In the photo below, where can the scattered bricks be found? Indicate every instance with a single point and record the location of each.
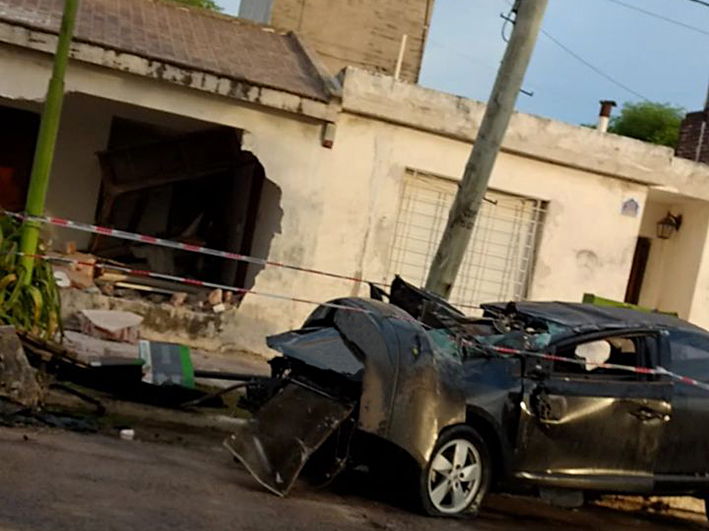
(219, 308)
(216, 297)
(108, 289)
(81, 274)
(229, 297)
(178, 299)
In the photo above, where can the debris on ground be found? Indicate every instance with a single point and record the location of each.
(18, 380)
(62, 279)
(166, 363)
(215, 297)
(178, 298)
(81, 272)
(111, 324)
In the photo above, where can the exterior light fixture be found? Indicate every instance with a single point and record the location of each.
(668, 225)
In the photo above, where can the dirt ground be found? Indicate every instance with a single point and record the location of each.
(56, 480)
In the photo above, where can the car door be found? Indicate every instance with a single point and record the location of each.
(587, 426)
(684, 462)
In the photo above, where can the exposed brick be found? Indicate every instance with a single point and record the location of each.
(364, 33)
(690, 135)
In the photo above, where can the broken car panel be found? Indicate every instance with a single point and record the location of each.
(418, 374)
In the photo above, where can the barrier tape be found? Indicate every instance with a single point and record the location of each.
(505, 351)
(658, 371)
(188, 281)
(171, 244)
(180, 246)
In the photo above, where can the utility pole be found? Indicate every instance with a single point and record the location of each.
(461, 219)
(46, 140)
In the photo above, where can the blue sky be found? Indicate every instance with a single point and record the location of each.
(656, 59)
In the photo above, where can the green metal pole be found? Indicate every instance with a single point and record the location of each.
(46, 140)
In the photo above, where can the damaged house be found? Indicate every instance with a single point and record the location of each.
(219, 132)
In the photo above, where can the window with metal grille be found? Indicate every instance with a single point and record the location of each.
(498, 262)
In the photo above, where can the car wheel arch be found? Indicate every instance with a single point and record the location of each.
(489, 430)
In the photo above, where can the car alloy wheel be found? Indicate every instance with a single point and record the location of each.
(455, 476)
(458, 474)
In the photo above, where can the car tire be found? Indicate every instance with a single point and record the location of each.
(457, 477)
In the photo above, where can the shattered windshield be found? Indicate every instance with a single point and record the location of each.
(457, 344)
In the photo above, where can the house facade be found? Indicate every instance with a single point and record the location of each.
(265, 154)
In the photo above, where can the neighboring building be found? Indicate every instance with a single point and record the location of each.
(693, 141)
(215, 130)
(363, 33)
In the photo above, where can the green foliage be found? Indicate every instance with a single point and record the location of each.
(657, 123)
(206, 4)
(33, 308)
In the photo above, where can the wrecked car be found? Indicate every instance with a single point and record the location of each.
(471, 408)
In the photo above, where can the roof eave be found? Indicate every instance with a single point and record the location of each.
(242, 90)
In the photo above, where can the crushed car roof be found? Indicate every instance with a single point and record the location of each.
(590, 316)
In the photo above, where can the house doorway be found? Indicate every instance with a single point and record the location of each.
(18, 136)
(637, 271)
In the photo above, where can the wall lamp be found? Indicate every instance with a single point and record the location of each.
(668, 225)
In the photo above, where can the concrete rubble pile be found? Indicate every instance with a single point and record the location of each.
(18, 380)
(82, 271)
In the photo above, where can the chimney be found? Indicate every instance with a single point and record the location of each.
(605, 115)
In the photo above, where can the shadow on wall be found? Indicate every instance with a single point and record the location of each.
(268, 224)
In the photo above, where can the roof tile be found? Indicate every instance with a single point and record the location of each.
(189, 37)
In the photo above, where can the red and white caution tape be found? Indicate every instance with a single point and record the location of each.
(504, 351)
(189, 281)
(659, 371)
(171, 244)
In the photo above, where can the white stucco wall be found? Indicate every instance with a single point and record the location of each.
(586, 245)
(676, 278)
(339, 206)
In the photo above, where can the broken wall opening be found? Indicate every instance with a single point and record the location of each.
(172, 176)
(198, 188)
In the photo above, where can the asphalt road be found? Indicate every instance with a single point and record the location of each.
(54, 480)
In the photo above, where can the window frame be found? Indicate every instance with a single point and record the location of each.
(649, 357)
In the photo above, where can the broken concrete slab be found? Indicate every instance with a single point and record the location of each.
(18, 380)
(111, 324)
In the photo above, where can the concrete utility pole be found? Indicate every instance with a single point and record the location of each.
(461, 220)
(46, 140)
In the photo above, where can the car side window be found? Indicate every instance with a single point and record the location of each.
(585, 358)
(690, 355)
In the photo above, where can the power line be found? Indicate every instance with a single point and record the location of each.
(700, 2)
(661, 17)
(593, 67)
(470, 58)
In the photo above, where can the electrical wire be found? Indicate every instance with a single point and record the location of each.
(593, 67)
(507, 20)
(700, 2)
(464, 55)
(660, 17)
